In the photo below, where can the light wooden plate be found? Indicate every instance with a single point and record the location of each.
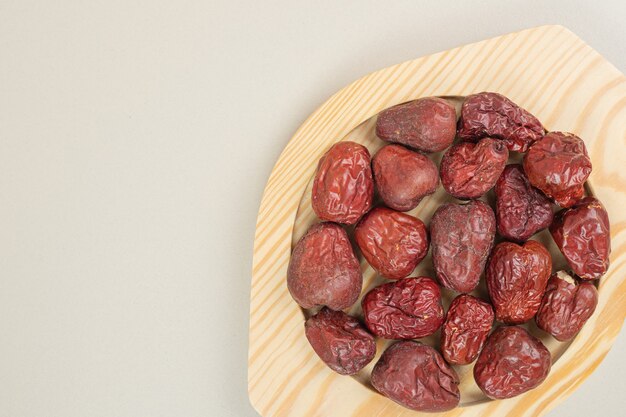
(547, 70)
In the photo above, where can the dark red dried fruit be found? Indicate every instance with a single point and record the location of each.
(521, 209)
(492, 114)
(584, 236)
(406, 309)
(465, 329)
(469, 170)
(403, 177)
(566, 306)
(427, 124)
(343, 187)
(559, 165)
(516, 279)
(340, 341)
(323, 269)
(416, 376)
(392, 242)
(462, 237)
(511, 363)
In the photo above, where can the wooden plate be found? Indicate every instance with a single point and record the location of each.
(547, 70)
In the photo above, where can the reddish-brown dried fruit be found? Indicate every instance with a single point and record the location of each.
(392, 242)
(323, 269)
(427, 124)
(403, 177)
(516, 278)
(343, 187)
(584, 236)
(416, 376)
(492, 114)
(521, 209)
(566, 306)
(462, 237)
(465, 329)
(340, 341)
(511, 363)
(559, 166)
(469, 170)
(406, 309)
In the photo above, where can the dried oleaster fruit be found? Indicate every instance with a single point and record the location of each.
(343, 187)
(584, 236)
(403, 177)
(323, 269)
(340, 341)
(559, 165)
(467, 325)
(512, 362)
(567, 304)
(392, 242)
(521, 209)
(416, 376)
(462, 237)
(406, 309)
(516, 279)
(493, 115)
(427, 124)
(469, 170)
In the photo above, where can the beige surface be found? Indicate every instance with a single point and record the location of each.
(136, 138)
(589, 99)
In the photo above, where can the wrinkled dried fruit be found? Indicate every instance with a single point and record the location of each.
(323, 269)
(416, 376)
(465, 329)
(406, 309)
(516, 279)
(521, 209)
(392, 242)
(566, 306)
(559, 166)
(511, 363)
(469, 170)
(403, 177)
(427, 124)
(462, 237)
(583, 234)
(340, 341)
(492, 114)
(343, 187)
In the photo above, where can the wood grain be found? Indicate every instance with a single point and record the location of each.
(547, 70)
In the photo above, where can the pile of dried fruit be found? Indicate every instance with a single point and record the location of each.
(325, 272)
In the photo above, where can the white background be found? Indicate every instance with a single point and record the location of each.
(135, 141)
